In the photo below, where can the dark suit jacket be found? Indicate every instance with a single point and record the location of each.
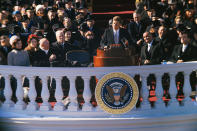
(32, 56)
(155, 55)
(135, 32)
(60, 52)
(190, 53)
(42, 59)
(167, 45)
(108, 37)
(70, 13)
(97, 32)
(90, 45)
(5, 51)
(3, 54)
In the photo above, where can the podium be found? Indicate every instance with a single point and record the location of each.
(115, 55)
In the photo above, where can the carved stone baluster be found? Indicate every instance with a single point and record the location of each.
(32, 95)
(7, 92)
(87, 94)
(58, 94)
(72, 94)
(45, 94)
(159, 92)
(19, 93)
(173, 91)
(187, 89)
(144, 92)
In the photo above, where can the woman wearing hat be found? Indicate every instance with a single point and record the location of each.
(39, 19)
(17, 57)
(17, 17)
(32, 47)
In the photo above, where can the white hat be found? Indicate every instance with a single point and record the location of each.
(172, 2)
(39, 7)
(13, 38)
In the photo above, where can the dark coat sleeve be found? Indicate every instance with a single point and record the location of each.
(104, 40)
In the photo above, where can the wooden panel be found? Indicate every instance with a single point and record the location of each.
(115, 56)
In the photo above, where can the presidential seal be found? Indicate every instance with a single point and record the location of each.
(116, 93)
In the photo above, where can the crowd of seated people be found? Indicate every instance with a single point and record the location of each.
(43, 31)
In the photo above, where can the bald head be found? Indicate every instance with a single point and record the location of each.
(147, 37)
(44, 44)
(60, 36)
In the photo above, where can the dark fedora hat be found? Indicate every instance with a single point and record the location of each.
(172, 2)
(67, 1)
(24, 18)
(90, 17)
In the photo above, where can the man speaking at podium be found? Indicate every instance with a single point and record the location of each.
(115, 35)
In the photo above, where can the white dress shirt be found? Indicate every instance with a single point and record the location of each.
(149, 45)
(184, 48)
(46, 51)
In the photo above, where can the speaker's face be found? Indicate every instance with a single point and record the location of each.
(116, 25)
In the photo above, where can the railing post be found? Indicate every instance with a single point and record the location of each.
(187, 89)
(87, 94)
(7, 92)
(19, 93)
(58, 94)
(144, 91)
(45, 94)
(72, 94)
(159, 91)
(32, 95)
(173, 90)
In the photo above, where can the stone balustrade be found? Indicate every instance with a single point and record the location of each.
(73, 110)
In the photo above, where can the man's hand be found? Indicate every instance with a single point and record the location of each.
(179, 61)
(146, 61)
(52, 57)
(165, 49)
(105, 48)
(139, 42)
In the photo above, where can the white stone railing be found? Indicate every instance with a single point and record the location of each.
(86, 73)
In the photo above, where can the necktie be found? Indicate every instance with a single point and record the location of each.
(5, 49)
(26, 30)
(116, 37)
(62, 45)
(138, 26)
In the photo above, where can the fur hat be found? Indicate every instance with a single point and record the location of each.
(13, 38)
(67, 1)
(39, 7)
